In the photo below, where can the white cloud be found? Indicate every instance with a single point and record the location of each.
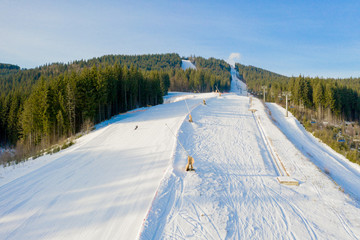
(234, 57)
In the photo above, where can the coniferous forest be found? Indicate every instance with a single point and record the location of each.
(40, 106)
(63, 105)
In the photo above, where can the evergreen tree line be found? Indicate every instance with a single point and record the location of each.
(331, 99)
(51, 101)
(216, 71)
(199, 80)
(60, 106)
(147, 62)
(8, 68)
(13, 78)
(210, 74)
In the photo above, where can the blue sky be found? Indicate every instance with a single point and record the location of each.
(312, 38)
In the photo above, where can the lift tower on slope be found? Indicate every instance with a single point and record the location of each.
(264, 88)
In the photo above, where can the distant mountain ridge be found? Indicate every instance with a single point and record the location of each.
(9, 66)
(8, 69)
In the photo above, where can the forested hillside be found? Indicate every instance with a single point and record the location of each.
(61, 106)
(23, 80)
(255, 77)
(209, 74)
(8, 68)
(160, 62)
(42, 105)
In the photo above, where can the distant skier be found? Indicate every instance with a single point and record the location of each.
(136, 127)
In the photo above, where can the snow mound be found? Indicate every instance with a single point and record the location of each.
(180, 96)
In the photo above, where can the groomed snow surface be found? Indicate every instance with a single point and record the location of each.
(122, 183)
(185, 64)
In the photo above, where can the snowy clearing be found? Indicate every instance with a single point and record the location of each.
(126, 179)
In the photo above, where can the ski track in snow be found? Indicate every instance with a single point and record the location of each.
(121, 183)
(234, 193)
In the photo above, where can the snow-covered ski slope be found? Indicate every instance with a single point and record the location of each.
(185, 64)
(234, 193)
(237, 86)
(121, 183)
(100, 188)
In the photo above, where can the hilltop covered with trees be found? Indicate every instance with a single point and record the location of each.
(42, 105)
(210, 74)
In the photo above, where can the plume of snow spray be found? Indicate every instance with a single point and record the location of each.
(234, 57)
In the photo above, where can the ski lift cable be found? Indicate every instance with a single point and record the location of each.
(187, 106)
(177, 139)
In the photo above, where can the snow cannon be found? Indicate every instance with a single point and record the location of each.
(218, 91)
(189, 165)
(190, 118)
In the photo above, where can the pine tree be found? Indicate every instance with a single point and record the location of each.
(60, 123)
(101, 93)
(164, 82)
(319, 97)
(70, 103)
(329, 99)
